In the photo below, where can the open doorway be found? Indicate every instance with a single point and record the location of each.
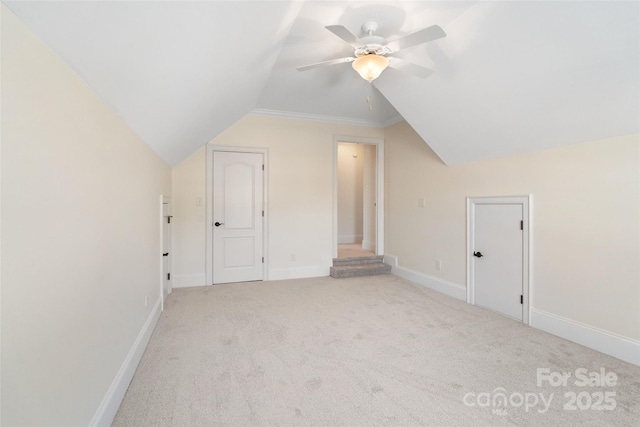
(356, 200)
(358, 208)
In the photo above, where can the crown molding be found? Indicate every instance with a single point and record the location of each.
(325, 119)
(393, 121)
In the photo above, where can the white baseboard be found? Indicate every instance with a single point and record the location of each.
(620, 347)
(391, 260)
(356, 238)
(189, 280)
(442, 286)
(113, 398)
(298, 272)
(368, 245)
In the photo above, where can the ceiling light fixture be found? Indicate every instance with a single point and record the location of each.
(370, 66)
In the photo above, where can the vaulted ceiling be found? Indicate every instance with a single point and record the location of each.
(510, 77)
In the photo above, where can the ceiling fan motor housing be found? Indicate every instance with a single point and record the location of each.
(372, 43)
(369, 27)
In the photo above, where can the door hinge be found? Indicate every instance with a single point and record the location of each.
(521, 225)
(263, 213)
(521, 299)
(262, 167)
(263, 260)
(168, 276)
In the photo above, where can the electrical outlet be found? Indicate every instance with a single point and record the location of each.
(198, 201)
(421, 202)
(293, 257)
(438, 265)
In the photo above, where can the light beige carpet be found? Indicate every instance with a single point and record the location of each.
(372, 351)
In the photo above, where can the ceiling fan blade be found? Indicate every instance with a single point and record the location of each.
(428, 34)
(345, 35)
(409, 67)
(325, 63)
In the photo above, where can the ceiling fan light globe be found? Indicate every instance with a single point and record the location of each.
(370, 66)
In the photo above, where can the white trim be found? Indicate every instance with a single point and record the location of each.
(298, 272)
(618, 346)
(393, 121)
(209, 207)
(325, 119)
(391, 260)
(448, 288)
(189, 280)
(368, 245)
(160, 254)
(165, 200)
(108, 408)
(525, 201)
(379, 144)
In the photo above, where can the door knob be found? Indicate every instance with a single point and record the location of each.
(478, 254)
(218, 224)
(167, 254)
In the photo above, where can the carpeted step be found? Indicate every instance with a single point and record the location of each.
(368, 269)
(360, 260)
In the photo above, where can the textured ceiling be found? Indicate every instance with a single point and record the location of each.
(510, 77)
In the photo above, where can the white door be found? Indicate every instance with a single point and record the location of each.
(498, 258)
(166, 246)
(237, 217)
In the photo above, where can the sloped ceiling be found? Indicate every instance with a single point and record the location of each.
(510, 77)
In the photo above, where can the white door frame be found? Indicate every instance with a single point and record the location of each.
(379, 144)
(163, 200)
(208, 250)
(526, 202)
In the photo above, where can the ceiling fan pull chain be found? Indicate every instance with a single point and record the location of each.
(369, 98)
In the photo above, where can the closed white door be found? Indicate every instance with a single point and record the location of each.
(166, 246)
(237, 217)
(498, 258)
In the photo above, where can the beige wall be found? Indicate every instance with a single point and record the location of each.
(300, 194)
(80, 237)
(350, 192)
(188, 223)
(585, 226)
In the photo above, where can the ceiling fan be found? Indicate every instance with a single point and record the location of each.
(372, 54)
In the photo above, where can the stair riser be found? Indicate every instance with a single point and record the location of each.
(358, 260)
(346, 261)
(358, 271)
(344, 275)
